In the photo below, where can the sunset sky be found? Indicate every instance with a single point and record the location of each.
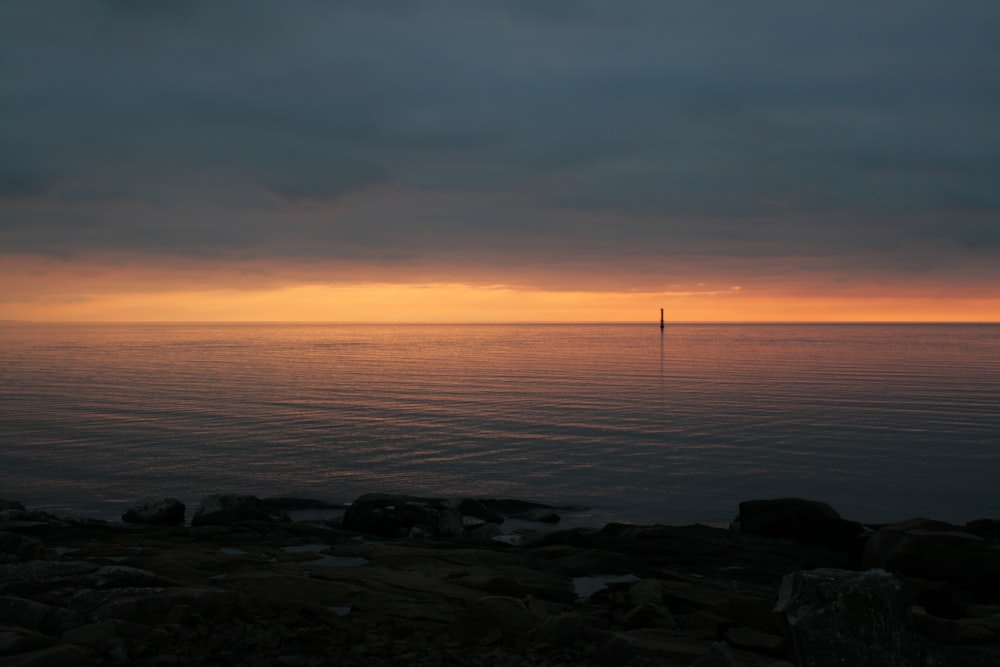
(448, 160)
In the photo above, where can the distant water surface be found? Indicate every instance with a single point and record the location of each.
(882, 421)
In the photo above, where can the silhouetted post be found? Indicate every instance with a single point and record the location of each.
(661, 319)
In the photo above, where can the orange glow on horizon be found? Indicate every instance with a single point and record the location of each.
(123, 290)
(458, 303)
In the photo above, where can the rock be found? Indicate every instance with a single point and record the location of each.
(168, 511)
(933, 550)
(806, 521)
(988, 529)
(656, 644)
(648, 615)
(487, 531)
(10, 505)
(538, 514)
(389, 515)
(717, 655)
(962, 656)
(225, 508)
(29, 576)
(15, 547)
(122, 576)
(839, 617)
(20, 640)
(509, 507)
(62, 655)
(92, 634)
(48, 619)
(450, 523)
(151, 606)
(474, 508)
(26, 516)
(646, 591)
(498, 617)
(757, 613)
(565, 630)
(755, 640)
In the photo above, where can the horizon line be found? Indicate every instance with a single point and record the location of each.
(650, 322)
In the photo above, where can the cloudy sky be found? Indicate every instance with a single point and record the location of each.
(524, 160)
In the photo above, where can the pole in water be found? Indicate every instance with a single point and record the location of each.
(661, 319)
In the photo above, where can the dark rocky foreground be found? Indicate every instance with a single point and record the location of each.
(417, 581)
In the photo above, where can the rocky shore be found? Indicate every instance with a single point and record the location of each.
(400, 580)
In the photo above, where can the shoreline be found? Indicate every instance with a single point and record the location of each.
(426, 581)
(574, 515)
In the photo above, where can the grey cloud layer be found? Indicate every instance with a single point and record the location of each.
(547, 131)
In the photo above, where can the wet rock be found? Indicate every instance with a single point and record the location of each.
(168, 511)
(806, 521)
(227, 508)
(10, 505)
(839, 617)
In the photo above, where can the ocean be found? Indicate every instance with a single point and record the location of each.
(617, 422)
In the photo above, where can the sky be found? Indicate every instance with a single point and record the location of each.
(454, 160)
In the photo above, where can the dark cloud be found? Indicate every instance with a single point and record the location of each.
(523, 131)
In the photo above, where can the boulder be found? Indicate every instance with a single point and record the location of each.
(10, 505)
(152, 606)
(474, 508)
(26, 516)
(28, 577)
(933, 550)
(840, 617)
(648, 615)
(225, 508)
(391, 515)
(169, 511)
(717, 655)
(14, 547)
(495, 617)
(19, 640)
(806, 521)
(37, 616)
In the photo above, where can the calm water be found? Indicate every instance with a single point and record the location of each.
(883, 422)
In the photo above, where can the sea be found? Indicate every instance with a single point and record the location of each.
(609, 422)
